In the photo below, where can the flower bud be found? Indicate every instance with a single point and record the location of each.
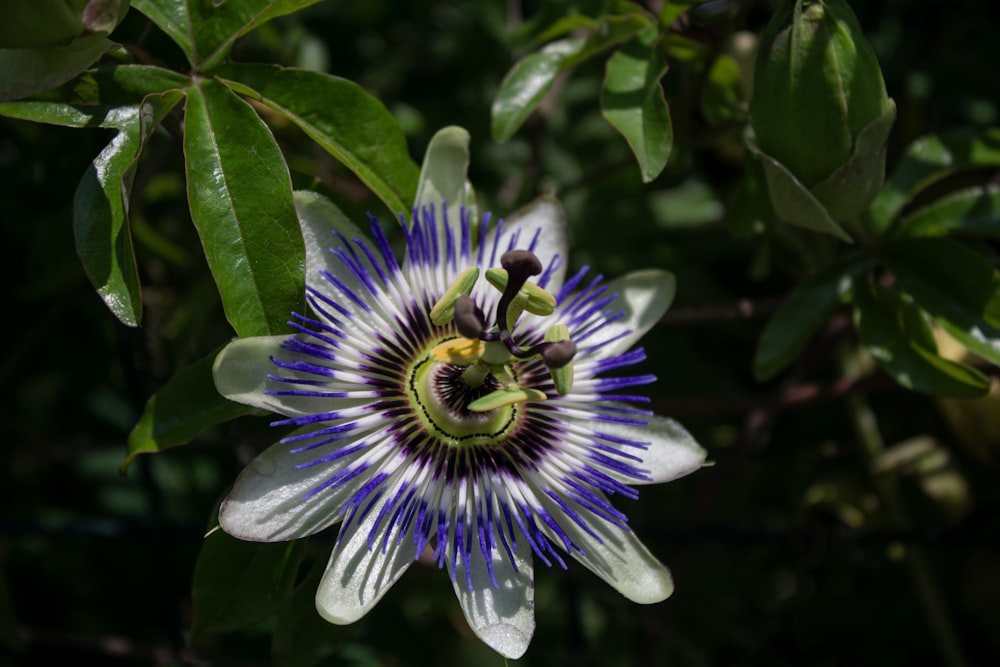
(45, 23)
(820, 113)
(45, 43)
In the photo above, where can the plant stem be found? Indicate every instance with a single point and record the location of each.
(886, 482)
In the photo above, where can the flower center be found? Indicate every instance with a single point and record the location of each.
(466, 390)
(443, 396)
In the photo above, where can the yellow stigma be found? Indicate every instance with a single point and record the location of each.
(459, 351)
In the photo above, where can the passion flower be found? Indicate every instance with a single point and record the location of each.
(457, 404)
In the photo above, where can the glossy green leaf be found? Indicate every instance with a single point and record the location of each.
(30, 71)
(928, 160)
(181, 410)
(119, 85)
(206, 31)
(802, 314)
(632, 102)
(173, 18)
(60, 113)
(303, 638)
(524, 87)
(237, 583)
(898, 337)
(956, 285)
(101, 205)
(328, 109)
(973, 211)
(240, 196)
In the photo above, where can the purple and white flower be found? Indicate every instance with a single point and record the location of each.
(446, 407)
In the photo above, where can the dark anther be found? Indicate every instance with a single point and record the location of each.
(559, 353)
(520, 263)
(469, 318)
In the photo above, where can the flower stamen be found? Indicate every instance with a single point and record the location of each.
(486, 351)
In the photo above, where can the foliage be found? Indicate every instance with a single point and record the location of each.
(849, 399)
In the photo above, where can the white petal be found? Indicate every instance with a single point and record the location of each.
(319, 218)
(618, 558)
(672, 452)
(357, 577)
(271, 501)
(240, 373)
(443, 179)
(643, 297)
(503, 618)
(541, 228)
(443, 175)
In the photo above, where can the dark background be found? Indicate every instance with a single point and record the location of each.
(784, 552)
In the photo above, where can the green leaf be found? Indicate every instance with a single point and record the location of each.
(928, 160)
(119, 85)
(956, 285)
(524, 87)
(183, 408)
(793, 203)
(303, 638)
(206, 31)
(329, 110)
(237, 583)
(565, 25)
(30, 71)
(672, 9)
(223, 23)
(101, 205)
(60, 113)
(612, 31)
(240, 196)
(899, 339)
(971, 211)
(803, 313)
(632, 102)
(173, 18)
